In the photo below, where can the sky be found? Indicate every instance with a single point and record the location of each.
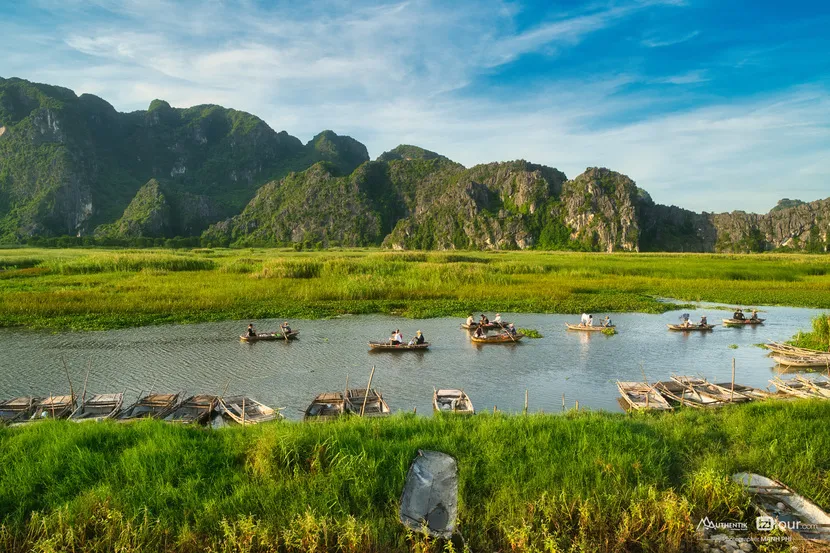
(707, 104)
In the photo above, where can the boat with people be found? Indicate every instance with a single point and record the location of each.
(789, 511)
(742, 322)
(502, 338)
(98, 407)
(17, 409)
(270, 336)
(366, 403)
(484, 323)
(586, 328)
(325, 406)
(641, 396)
(245, 410)
(683, 327)
(150, 406)
(446, 400)
(193, 410)
(386, 346)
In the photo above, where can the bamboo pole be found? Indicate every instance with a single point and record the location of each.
(366, 396)
(494, 409)
(86, 378)
(71, 391)
(243, 410)
(525, 410)
(577, 405)
(563, 401)
(732, 391)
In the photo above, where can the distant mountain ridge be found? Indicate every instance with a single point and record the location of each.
(73, 165)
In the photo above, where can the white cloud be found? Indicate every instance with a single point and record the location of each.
(662, 42)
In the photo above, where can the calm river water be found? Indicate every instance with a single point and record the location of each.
(206, 357)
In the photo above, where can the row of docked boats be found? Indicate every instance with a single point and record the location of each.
(697, 392)
(787, 355)
(368, 402)
(196, 409)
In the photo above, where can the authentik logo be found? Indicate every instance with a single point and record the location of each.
(707, 524)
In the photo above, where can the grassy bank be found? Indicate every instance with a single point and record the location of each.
(99, 289)
(818, 338)
(578, 482)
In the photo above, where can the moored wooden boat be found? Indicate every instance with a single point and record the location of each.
(245, 410)
(503, 338)
(691, 327)
(586, 328)
(820, 386)
(369, 405)
(813, 362)
(451, 401)
(53, 407)
(703, 387)
(270, 336)
(798, 388)
(683, 395)
(386, 346)
(743, 322)
(791, 512)
(326, 406)
(748, 391)
(488, 326)
(193, 410)
(641, 396)
(794, 351)
(17, 409)
(149, 406)
(98, 407)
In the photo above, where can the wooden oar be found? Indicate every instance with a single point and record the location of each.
(284, 333)
(508, 332)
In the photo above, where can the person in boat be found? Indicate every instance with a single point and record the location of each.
(497, 319)
(590, 320)
(511, 329)
(754, 316)
(607, 322)
(470, 320)
(250, 332)
(395, 340)
(739, 315)
(480, 332)
(419, 338)
(483, 320)
(286, 329)
(703, 321)
(584, 319)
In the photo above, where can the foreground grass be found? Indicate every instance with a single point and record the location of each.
(100, 289)
(578, 482)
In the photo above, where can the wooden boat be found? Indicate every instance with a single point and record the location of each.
(790, 511)
(326, 406)
(822, 387)
(802, 362)
(17, 409)
(794, 351)
(586, 328)
(386, 346)
(744, 322)
(244, 410)
(193, 410)
(54, 407)
(270, 336)
(797, 388)
(703, 387)
(497, 339)
(98, 407)
(748, 391)
(683, 395)
(641, 396)
(373, 406)
(488, 326)
(150, 406)
(692, 327)
(452, 401)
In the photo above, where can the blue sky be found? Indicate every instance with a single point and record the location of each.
(708, 105)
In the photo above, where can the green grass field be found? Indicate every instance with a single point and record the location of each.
(100, 289)
(575, 482)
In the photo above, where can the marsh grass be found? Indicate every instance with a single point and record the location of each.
(818, 338)
(575, 482)
(99, 289)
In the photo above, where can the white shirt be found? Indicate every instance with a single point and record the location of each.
(497, 319)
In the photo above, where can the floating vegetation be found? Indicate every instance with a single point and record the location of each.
(530, 332)
(610, 331)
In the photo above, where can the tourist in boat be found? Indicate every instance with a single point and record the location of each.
(497, 319)
(250, 332)
(590, 320)
(584, 319)
(480, 332)
(754, 316)
(739, 315)
(395, 340)
(470, 320)
(511, 329)
(607, 322)
(483, 320)
(286, 329)
(419, 338)
(703, 321)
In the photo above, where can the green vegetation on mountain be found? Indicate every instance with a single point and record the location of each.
(581, 481)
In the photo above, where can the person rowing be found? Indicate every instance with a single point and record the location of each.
(739, 315)
(286, 329)
(703, 321)
(419, 338)
(583, 320)
(250, 332)
(483, 320)
(396, 338)
(480, 332)
(607, 322)
(754, 316)
(511, 329)
(497, 319)
(470, 320)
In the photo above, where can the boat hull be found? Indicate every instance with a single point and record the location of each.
(385, 346)
(584, 328)
(500, 339)
(270, 337)
(692, 328)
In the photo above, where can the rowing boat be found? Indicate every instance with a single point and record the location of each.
(149, 406)
(244, 410)
(98, 407)
(488, 326)
(54, 407)
(683, 395)
(803, 362)
(386, 346)
(798, 388)
(326, 406)
(358, 402)
(703, 387)
(497, 339)
(193, 410)
(270, 336)
(587, 328)
(789, 511)
(17, 409)
(452, 401)
(794, 351)
(684, 328)
(743, 322)
(821, 387)
(748, 391)
(641, 396)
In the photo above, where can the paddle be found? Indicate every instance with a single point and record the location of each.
(284, 333)
(508, 332)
